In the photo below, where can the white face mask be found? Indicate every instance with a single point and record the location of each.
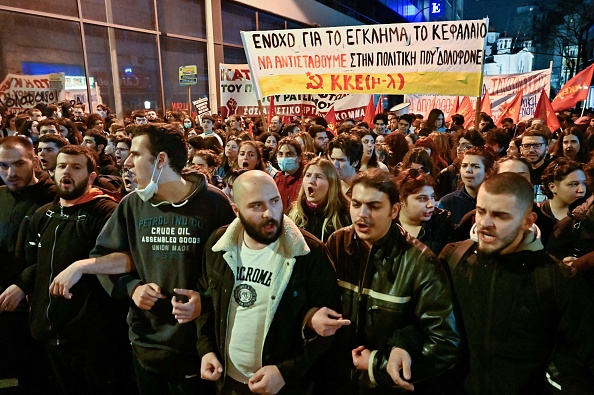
(153, 187)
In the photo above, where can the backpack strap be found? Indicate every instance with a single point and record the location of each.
(459, 252)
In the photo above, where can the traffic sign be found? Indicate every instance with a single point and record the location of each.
(188, 75)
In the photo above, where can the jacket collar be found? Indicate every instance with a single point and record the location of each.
(530, 242)
(291, 241)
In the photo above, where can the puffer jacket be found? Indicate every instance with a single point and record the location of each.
(398, 297)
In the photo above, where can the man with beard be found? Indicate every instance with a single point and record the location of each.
(535, 147)
(23, 193)
(86, 348)
(263, 274)
(516, 305)
(157, 235)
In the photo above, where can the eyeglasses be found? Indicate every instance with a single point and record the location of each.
(536, 146)
(465, 146)
(122, 149)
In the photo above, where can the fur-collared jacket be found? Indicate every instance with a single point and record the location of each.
(305, 280)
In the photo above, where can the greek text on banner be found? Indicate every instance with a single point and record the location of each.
(442, 58)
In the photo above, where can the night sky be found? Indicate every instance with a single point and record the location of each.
(498, 11)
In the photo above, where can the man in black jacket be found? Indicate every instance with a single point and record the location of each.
(403, 334)
(25, 190)
(263, 275)
(78, 334)
(516, 305)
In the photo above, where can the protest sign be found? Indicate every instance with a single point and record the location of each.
(20, 92)
(422, 58)
(238, 97)
(501, 88)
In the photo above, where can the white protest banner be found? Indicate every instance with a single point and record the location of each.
(19, 92)
(443, 58)
(502, 89)
(238, 97)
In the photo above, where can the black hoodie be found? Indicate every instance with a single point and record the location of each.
(57, 237)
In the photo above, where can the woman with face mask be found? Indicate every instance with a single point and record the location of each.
(320, 208)
(290, 162)
(419, 214)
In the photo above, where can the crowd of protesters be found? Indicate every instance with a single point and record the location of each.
(164, 253)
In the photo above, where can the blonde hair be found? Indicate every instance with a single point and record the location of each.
(335, 201)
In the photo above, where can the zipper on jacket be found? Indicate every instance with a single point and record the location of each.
(489, 325)
(50, 281)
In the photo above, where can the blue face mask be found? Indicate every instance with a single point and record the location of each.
(187, 125)
(288, 164)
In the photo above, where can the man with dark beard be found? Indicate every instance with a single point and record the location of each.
(157, 236)
(517, 307)
(263, 275)
(79, 335)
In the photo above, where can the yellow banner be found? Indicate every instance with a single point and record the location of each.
(439, 58)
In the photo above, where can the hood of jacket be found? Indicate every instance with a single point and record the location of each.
(530, 242)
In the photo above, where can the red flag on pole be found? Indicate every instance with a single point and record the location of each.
(271, 110)
(545, 111)
(369, 112)
(286, 119)
(330, 117)
(574, 91)
(486, 104)
(512, 110)
(467, 112)
(380, 105)
(454, 109)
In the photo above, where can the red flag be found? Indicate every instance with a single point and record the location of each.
(454, 109)
(287, 119)
(575, 90)
(330, 117)
(545, 111)
(512, 110)
(467, 112)
(380, 105)
(369, 112)
(486, 104)
(271, 110)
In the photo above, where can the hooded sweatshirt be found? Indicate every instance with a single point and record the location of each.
(57, 237)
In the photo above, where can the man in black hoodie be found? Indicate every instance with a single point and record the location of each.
(81, 336)
(25, 190)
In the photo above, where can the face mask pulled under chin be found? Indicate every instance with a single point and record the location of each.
(149, 191)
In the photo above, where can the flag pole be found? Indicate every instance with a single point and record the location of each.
(585, 102)
(478, 99)
(262, 117)
(477, 112)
